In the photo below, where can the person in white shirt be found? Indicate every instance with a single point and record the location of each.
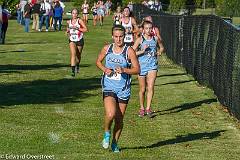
(22, 5)
(151, 4)
(44, 14)
(130, 25)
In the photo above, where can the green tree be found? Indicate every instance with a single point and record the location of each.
(11, 4)
(228, 7)
(176, 5)
(191, 5)
(78, 3)
(205, 3)
(199, 3)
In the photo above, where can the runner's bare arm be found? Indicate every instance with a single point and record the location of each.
(84, 27)
(136, 45)
(100, 59)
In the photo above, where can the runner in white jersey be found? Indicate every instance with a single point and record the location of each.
(130, 25)
(117, 16)
(75, 30)
(85, 13)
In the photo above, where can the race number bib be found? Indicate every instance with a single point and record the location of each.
(114, 76)
(150, 53)
(128, 38)
(74, 37)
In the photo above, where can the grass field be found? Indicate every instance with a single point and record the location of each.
(43, 111)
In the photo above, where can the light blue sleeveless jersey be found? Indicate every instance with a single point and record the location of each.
(148, 60)
(117, 83)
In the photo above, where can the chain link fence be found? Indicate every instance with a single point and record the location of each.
(207, 47)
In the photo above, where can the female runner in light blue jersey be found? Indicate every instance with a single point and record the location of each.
(116, 83)
(146, 47)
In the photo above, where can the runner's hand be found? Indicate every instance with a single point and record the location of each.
(108, 71)
(119, 70)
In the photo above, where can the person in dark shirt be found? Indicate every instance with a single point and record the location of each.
(27, 15)
(5, 16)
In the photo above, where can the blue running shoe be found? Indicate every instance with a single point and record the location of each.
(115, 148)
(106, 140)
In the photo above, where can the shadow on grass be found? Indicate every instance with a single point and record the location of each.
(20, 43)
(181, 139)
(179, 82)
(186, 106)
(170, 75)
(13, 51)
(9, 68)
(47, 91)
(3, 51)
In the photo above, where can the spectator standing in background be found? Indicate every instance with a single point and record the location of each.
(27, 16)
(5, 16)
(151, 4)
(22, 4)
(58, 12)
(158, 5)
(62, 5)
(35, 15)
(18, 9)
(44, 10)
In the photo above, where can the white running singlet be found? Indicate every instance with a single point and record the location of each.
(129, 31)
(75, 34)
